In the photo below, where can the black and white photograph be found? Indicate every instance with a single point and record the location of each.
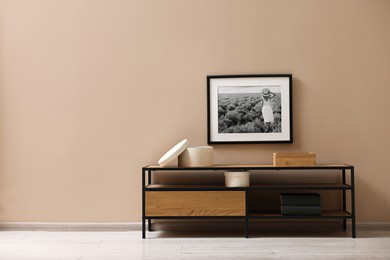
(253, 108)
(249, 109)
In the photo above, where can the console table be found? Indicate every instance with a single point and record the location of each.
(164, 201)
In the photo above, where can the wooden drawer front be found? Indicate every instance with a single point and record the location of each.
(195, 203)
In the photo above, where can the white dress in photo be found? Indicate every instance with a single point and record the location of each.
(268, 113)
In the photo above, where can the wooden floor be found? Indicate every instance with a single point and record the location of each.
(370, 244)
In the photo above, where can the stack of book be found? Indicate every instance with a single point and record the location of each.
(300, 203)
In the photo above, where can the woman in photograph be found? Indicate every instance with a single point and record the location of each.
(268, 113)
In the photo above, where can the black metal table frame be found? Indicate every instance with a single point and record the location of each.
(147, 180)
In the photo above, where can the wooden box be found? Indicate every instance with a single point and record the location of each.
(195, 203)
(295, 159)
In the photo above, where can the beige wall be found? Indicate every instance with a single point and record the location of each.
(91, 91)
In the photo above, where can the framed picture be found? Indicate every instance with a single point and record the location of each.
(249, 109)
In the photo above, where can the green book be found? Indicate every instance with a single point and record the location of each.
(300, 199)
(301, 210)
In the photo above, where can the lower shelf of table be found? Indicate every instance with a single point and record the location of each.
(326, 214)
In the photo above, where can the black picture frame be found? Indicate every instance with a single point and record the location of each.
(252, 108)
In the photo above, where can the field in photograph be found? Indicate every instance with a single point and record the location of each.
(241, 113)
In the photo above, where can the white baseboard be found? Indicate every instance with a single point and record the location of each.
(127, 226)
(71, 226)
(378, 226)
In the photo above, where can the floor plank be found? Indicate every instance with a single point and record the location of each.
(40, 245)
